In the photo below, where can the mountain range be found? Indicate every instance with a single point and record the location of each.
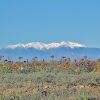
(45, 51)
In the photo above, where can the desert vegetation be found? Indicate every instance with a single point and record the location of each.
(63, 79)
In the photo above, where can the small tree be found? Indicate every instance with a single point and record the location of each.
(52, 57)
(36, 58)
(20, 58)
(1, 57)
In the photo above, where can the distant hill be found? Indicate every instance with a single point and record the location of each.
(44, 51)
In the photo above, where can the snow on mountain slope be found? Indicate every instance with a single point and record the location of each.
(40, 45)
(44, 51)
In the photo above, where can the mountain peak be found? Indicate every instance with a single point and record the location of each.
(40, 45)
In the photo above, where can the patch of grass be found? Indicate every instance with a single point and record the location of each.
(49, 83)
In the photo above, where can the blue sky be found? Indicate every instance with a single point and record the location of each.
(50, 21)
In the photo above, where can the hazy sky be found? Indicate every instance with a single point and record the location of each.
(49, 21)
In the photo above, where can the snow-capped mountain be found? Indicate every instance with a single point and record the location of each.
(40, 45)
(44, 51)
